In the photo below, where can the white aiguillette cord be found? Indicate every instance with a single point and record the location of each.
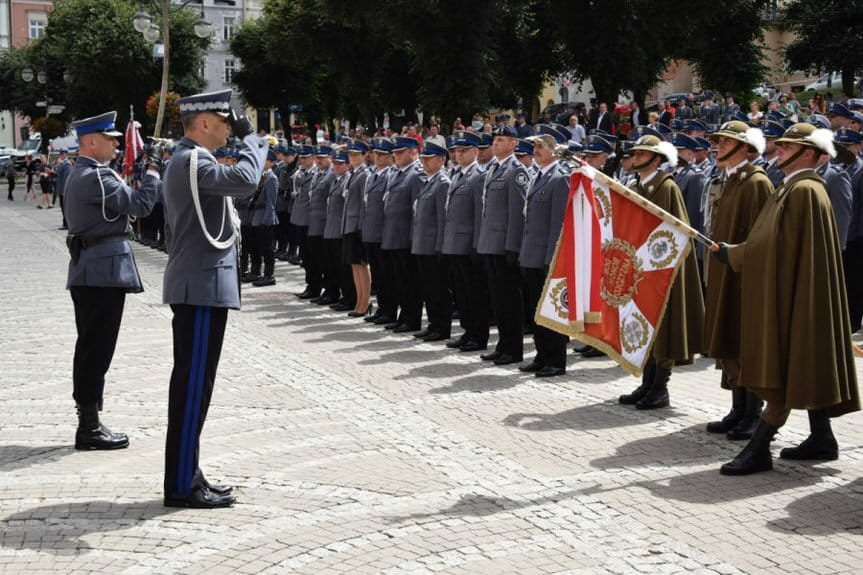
(228, 207)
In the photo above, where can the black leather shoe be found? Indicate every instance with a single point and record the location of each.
(456, 343)
(220, 489)
(813, 448)
(264, 281)
(549, 371)
(383, 319)
(326, 300)
(92, 435)
(99, 438)
(295, 260)
(435, 336)
(405, 328)
(531, 367)
(506, 359)
(392, 325)
(372, 318)
(473, 345)
(756, 456)
(202, 498)
(591, 352)
(490, 356)
(249, 278)
(641, 390)
(422, 334)
(342, 306)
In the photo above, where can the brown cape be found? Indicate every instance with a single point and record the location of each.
(734, 214)
(796, 337)
(679, 335)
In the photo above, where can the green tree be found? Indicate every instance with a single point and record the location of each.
(111, 64)
(828, 36)
(726, 50)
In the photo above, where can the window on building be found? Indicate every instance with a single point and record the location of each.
(228, 28)
(38, 21)
(230, 68)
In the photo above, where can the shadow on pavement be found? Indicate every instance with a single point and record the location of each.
(837, 510)
(479, 384)
(60, 529)
(442, 370)
(381, 345)
(407, 356)
(605, 415)
(20, 456)
(689, 446)
(347, 336)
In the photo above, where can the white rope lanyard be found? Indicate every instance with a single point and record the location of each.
(227, 207)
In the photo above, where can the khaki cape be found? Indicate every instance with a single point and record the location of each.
(679, 335)
(734, 214)
(796, 337)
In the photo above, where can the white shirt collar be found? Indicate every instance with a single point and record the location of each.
(792, 174)
(734, 169)
(548, 168)
(645, 181)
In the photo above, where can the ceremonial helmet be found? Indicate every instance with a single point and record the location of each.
(742, 132)
(657, 146)
(808, 135)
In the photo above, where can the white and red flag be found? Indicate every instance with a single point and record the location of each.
(612, 272)
(134, 147)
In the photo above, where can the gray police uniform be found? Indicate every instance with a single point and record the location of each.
(316, 252)
(103, 269)
(426, 243)
(403, 187)
(338, 278)
(774, 172)
(264, 220)
(544, 212)
(372, 225)
(500, 235)
(853, 254)
(838, 184)
(285, 241)
(201, 283)
(462, 209)
(63, 171)
(351, 223)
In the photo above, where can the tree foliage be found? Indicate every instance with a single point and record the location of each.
(111, 65)
(828, 37)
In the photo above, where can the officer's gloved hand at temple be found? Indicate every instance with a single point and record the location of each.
(240, 125)
(511, 258)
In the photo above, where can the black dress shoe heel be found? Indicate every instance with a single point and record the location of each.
(201, 498)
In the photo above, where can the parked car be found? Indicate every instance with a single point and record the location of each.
(835, 82)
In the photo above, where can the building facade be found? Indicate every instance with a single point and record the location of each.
(28, 20)
(7, 128)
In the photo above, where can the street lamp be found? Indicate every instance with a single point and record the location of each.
(143, 23)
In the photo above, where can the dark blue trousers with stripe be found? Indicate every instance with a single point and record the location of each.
(198, 334)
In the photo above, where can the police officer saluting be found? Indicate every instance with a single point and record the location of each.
(97, 206)
(201, 281)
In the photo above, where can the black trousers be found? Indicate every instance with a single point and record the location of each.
(853, 263)
(198, 334)
(11, 183)
(406, 286)
(63, 210)
(300, 234)
(98, 313)
(262, 250)
(314, 258)
(333, 276)
(550, 345)
(281, 232)
(433, 275)
(377, 266)
(471, 296)
(504, 281)
(246, 246)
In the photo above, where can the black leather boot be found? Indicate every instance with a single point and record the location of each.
(657, 396)
(755, 457)
(747, 424)
(820, 445)
(641, 390)
(92, 434)
(738, 407)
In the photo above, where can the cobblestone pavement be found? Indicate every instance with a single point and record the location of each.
(359, 451)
